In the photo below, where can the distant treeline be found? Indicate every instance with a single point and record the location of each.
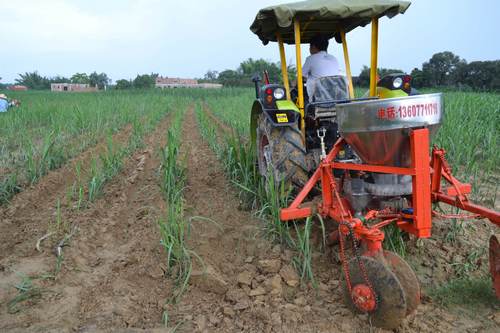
(36, 81)
(443, 69)
(447, 69)
(242, 76)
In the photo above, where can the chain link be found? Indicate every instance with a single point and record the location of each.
(357, 254)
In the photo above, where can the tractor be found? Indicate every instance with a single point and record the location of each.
(369, 159)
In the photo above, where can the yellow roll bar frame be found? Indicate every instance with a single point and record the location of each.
(300, 86)
(284, 69)
(347, 64)
(373, 62)
(298, 55)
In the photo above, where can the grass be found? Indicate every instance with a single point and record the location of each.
(470, 135)
(470, 264)
(110, 162)
(467, 293)
(26, 291)
(50, 128)
(8, 188)
(394, 240)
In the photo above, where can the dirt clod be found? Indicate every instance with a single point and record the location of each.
(269, 266)
(274, 285)
(257, 292)
(289, 275)
(245, 278)
(228, 311)
(209, 280)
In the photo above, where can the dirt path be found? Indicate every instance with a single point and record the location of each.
(111, 275)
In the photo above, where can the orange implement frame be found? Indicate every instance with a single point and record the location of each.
(426, 180)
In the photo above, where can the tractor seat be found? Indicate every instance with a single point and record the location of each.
(327, 92)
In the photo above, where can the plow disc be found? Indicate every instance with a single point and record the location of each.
(407, 278)
(393, 291)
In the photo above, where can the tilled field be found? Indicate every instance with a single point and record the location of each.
(112, 273)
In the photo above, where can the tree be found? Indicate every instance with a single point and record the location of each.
(440, 67)
(33, 81)
(250, 66)
(230, 78)
(483, 75)
(387, 71)
(211, 75)
(59, 79)
(242, 76)
(418, 78)
(99, 80)
(292, 71)
(144, 81)
(80, 78)
(123, 84)
(363, 79)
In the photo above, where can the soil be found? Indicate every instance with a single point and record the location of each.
(112, 276)
(30, 211)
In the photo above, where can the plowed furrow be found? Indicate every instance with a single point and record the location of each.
(26, 218)
(111, 275)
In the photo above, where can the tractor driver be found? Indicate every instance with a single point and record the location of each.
(319, 64)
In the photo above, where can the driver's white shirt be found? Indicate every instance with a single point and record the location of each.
(319, 65)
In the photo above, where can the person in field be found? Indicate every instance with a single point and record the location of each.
(4, 103)
(320, 64)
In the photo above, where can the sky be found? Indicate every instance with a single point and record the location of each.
(186, 38)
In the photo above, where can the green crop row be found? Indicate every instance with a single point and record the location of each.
(50, 128)
(174, 227)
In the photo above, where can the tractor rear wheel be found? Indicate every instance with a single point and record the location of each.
(281, 150)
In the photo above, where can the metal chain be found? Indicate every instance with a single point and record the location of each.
(355, 249)
(357, 254)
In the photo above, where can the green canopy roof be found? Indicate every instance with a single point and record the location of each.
(325, 17)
